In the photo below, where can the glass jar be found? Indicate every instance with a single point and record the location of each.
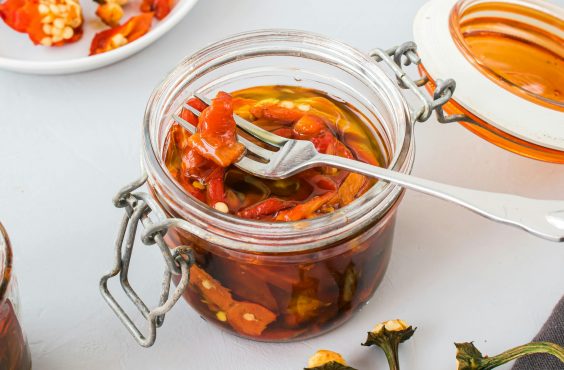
(282, 281)
(14, 352)
(268, 281)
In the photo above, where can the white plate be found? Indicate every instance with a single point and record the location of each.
(17, 52)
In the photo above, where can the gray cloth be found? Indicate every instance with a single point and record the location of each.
(552, 331)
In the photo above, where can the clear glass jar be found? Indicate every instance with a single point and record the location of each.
(14, 352)
(308, 276)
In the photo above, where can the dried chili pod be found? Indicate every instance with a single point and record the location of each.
(468, 357)
(388, 335)
(327, 360)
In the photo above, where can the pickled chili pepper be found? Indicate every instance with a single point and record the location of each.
(305, 210)
(216, 138)
(160, 8)
(249, 318)
(274, 110)
(119, 36)
(265, 208)
(47, 22)
(205, 161)
(350, 188)
(245, 317)
(212, 290)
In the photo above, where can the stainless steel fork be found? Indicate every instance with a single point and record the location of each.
(544, 218)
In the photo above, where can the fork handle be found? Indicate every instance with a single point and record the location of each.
(544, 218)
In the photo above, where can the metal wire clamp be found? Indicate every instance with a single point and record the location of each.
(404, 55)
(178, 261)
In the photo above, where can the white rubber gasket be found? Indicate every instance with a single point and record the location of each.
(474, 91)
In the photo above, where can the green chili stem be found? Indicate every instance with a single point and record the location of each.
(523, 350)
(391, 351)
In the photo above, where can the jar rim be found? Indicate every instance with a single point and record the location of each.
(6, 262)
(382, 196)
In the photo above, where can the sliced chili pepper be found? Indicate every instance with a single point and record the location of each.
(212, 290)
(160, 8)
(18, 14)
(43, 25)
(242, 107)
(305, 210)
(216, 138)
(350, 188)
(245, 284)
(188, 115)
(215, 189)
(276, 111)
(284, 132)
(119, 36)
(110, 12)
(267, 207)
(309, 126)
(249, 318)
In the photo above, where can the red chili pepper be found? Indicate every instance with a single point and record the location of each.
(215, 189)
(41, 24)
(276, 112)
(161, 8)
(305, 210)
(115, 37)
(267, 207)
(216, 138)
(17, 14)
(187, 115)
(309, 126)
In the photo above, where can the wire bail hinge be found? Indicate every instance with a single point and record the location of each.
(178, 261)
(406, 54)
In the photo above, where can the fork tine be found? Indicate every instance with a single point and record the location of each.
(249, 145)
(252, 129)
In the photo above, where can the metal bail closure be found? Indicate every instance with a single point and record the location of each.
(406, 54)
(178, 261)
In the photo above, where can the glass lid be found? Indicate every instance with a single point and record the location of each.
(507, 57)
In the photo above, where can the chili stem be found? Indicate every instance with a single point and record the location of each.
(523, 350)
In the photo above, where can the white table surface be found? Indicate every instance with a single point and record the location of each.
(67, 143)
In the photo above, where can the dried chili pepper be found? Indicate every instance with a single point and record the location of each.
(122, 35)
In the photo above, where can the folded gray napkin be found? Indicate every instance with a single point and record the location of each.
(552, 331)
